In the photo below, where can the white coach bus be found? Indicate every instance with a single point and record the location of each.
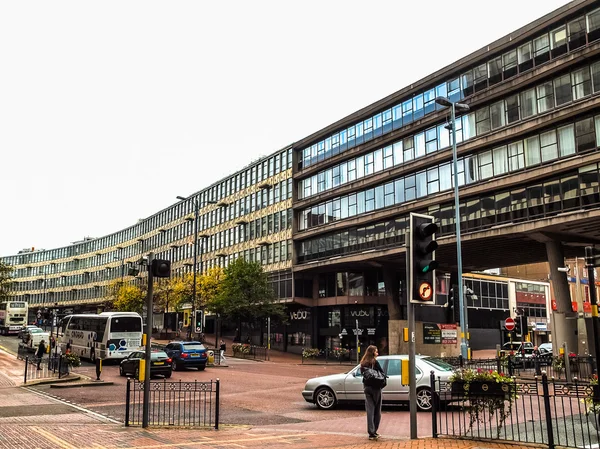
(109, 335)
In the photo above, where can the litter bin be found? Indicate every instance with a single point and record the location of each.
(211, 357)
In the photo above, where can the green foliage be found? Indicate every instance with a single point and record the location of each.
(239, 348)
(482, 408)
(245, 294)
(72, 359)
(210, 287)
(6, 280)
(127, 297)
(310, 353)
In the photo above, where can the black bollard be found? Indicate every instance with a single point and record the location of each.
(98, 368)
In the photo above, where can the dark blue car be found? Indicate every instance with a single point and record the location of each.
(187, 354)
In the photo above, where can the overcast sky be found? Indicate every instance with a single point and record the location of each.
(109, 110)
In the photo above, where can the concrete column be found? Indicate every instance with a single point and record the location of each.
(397, 312)
(565, 320)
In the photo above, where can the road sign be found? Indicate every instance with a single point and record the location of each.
(509, 324)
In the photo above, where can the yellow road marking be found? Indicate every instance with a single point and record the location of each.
(228, 442)
(62, 443)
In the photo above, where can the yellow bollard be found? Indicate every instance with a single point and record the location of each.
(405, 378)
(142, 375)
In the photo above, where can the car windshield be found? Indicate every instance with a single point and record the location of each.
(438, 364)
(192, 346)
(35, 331)
(159, 355)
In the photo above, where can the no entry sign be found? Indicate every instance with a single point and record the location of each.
(509, 324)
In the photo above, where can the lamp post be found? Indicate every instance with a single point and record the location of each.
(195, 270)
(464, 326)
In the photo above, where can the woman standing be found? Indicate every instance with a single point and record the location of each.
(372, 388)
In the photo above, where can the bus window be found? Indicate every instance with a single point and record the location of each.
(125, 324)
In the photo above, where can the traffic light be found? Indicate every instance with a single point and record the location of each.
(161, 268)
(422, 262)
(518, 325)
(454, 304)
(198, 321)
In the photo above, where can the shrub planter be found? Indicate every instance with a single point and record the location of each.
(481, 388)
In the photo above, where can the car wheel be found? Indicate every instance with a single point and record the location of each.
(325, 399)
(121, 371)
(424, 399)
(167, 375)
(175, 365)
(202, 368)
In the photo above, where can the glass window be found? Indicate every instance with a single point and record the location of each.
(468, 126)
(485, 165)
(500, 161)
(431, 140)
(495, 70)
(593, 23)
(532, 151)
(497, 115)
(562, 90)
(513, 112)
(559, 37)
(541, 45)
(586, 136)
(516, 160)
(409, 151)
(548, 146)
(482, 118)
(419, 145)
(528, 103)
(582, 84)
(566, 140)
(545, 96)
(524, 53)
(596, 76)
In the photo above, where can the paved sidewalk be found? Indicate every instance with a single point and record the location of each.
(29, 419)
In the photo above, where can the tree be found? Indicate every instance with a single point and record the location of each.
(246, 294)
(127, 297)
(6, 280)
(209, 289)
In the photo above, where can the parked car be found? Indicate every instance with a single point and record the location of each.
(29, 332)
(187, 354)
(160, 363)
(328, 391)
(34, 336)
(515, 346)
(545, 348)
(24, 330)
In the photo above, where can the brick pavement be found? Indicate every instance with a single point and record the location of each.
(41, 422)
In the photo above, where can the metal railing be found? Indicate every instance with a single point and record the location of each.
(245, 351)
(542, 411)
(557, 367)
(194, 404)
(44, 368)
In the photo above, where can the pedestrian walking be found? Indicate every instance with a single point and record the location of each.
(41, 350)
(222, 351)
(374, 380)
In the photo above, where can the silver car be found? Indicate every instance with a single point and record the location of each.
(328, 391)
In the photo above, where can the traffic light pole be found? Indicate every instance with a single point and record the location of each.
(146, 406)
(590, 263)
(410, 312)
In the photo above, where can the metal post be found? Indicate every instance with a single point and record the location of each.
(548, 411)
(148, 343)
(412, 386)
(464, 327)
(269, 338)
(196, 207)
(357, 351)
(589, 259)
(567, 361)
(127, 400)
(434, 405)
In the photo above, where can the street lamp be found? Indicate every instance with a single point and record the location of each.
(464, 326)
(196, 210)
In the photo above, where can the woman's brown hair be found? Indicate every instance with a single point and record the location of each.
(368, 360)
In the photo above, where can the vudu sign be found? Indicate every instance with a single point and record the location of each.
(359, 313)
(300, 315)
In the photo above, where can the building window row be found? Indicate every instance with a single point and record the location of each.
(550, 145)
(571, 191)
(551, 94)
(253, 175)
(563, 38)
